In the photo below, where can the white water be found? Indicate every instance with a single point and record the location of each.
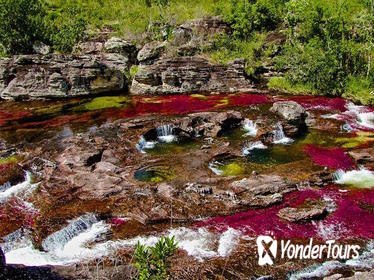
(165, 134)
(250, 127)
(362, 178)
(24, 188)
(280, 137)
(58, 240)
(246, 150)
(145, 145)
(215, 166)
(228, 241)
(72, 244)
(364, 261)
(357, 116)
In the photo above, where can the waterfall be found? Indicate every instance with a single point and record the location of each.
(250, 127)
(280, 137)
(362, 178)
(246, 150)
(165, 133)
(25, 187)
(144, 145)
(216, 166)
(59, 239)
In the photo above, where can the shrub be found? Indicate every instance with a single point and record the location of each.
(151, 262)
(65, 27)
(21, 23)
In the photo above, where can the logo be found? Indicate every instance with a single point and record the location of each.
(267, 250)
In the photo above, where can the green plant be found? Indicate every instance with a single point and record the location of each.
(21, 23)
(65, 28)
(151, 261)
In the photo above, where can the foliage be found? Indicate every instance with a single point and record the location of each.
(151, 262)
(327, 43)
(225, 49)
(247, 16)
(20, 24)
(282, 84)
(65, 27)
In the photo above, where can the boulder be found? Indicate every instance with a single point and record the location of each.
(56, 76)
(186, 75)
(310, 211)
(292, 116)
(121, 46)
(150, 52)
(209, 124)
(41, 48)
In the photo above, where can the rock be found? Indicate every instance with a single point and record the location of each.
(95, 185)
(89, 47)
(182, 35)
(55, 76)
(2, 260)
(121, 46)
(311, 211)
(363, 155)
(207, 26)
(41, 48)
(199, 188)
(293, 117)
(261, 191)
(106, 167)
(365, 275)
(150, 52)
(333, 277)
(209, 124)
(186, 75)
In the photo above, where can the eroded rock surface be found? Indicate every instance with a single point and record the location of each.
(182, 75)
(311, 211)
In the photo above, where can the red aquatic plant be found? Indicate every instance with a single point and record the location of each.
(349, 219)
(334, 158)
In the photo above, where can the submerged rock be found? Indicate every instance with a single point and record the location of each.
(293, 117)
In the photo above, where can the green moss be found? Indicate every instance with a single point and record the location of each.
(104, 102)
(282, 84)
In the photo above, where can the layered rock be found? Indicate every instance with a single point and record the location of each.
(182, 75)
(98, 69)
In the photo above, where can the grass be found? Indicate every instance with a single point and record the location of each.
(130, 18)
(360, 90)
(281, 84)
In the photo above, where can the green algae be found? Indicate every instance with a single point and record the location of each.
(104, 102)
(232, 169)
(154, 174)
(361, 138)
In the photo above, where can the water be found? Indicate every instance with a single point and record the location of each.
(165, 134)
(362, 178)
(250, 128)
(58, 240)
(250, 146)
(280, 137)
(144, 145)
(25, 187)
